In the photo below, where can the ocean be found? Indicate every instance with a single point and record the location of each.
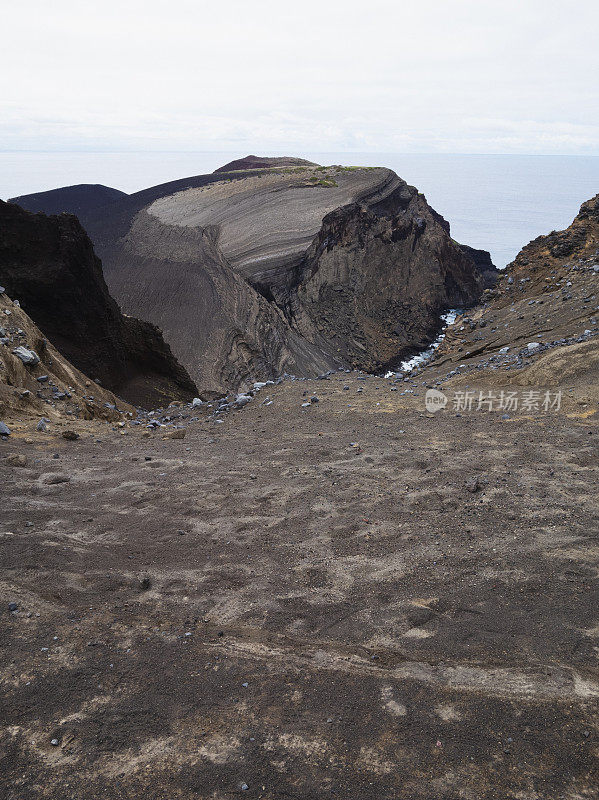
(495, 202)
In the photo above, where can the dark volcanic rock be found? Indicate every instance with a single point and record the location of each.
(283, 266)
(375, 279)
(482, 260)
(221, 328)
(538, 327)
(49, 265)
(78, 200)
(580, 240)
(260, 162)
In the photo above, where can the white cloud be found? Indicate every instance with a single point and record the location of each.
(457, 76)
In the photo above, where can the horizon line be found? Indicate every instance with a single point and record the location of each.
(287, 152)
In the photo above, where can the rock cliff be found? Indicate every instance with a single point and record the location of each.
(280, 265)
(578, 244)
(48, 264)
(539, 326)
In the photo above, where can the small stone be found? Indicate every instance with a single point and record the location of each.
(314, 399)
(4, 429)
(533, 345)
(196, 402)
(473, 485)
(16, 460)
(178, 433)
(244, 787)
(13, 607)
(54, 742)
(42, 425)
(70, 436)
(54, 478)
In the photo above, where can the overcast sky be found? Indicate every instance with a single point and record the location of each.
(427, 75)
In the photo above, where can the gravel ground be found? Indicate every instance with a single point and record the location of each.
(349, 599)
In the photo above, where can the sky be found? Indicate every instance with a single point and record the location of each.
(447, 76)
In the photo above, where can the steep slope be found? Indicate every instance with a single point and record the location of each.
(482, 259)
(377, 277)
(540, 325)
(223, 330)
(35, 378)
(78, 200)
(48, 264)
(290, 267)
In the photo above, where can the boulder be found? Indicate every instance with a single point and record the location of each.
(29, 357)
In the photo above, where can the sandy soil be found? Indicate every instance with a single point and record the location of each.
(356, 599)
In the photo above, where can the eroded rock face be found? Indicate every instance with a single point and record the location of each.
(49, 265)
(484, 265)
(539, 326)
(286, 267)
(579, 241)
(47, 384)
(221, 328)
(376, 278)
(267, 219)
